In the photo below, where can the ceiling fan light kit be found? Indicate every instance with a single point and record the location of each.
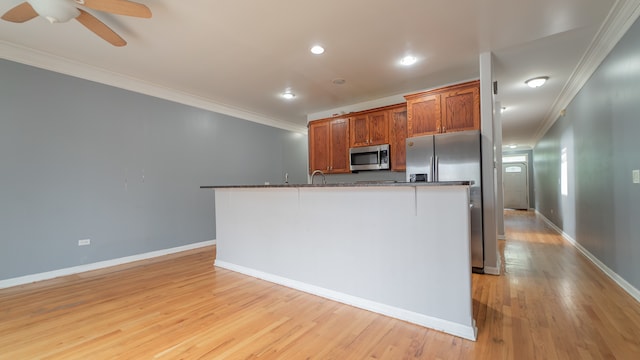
(60, 11)
(56, 11)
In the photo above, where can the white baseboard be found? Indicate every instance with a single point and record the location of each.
(490, 270)
(630, 289)
(99, 265)
(466, 332)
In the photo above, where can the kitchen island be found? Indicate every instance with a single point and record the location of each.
(398, 249)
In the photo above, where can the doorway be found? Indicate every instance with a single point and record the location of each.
(515, 182)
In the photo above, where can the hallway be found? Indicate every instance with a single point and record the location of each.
(551, 302)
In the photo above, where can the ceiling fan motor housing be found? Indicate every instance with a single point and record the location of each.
(56, 11)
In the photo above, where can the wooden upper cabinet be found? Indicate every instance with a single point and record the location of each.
(398, 137)
(318, 146)
(461, 109)
(423, 114)
(378, 128)
(453, 108)
(369, 129)
(359, 130)
(329, 146)
(339, 146)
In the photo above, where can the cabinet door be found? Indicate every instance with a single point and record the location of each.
(398, 122)
(319, 146)
(339, 133)
(359, 130)
(423, 115)
(378, 128)
(461, 109)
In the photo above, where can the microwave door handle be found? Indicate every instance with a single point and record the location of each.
(379, 158)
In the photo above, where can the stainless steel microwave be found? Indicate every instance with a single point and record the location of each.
(369, 157)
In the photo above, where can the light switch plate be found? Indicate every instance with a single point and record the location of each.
(636, 176)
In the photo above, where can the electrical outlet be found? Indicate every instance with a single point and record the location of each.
(636, 176)
(84, 242)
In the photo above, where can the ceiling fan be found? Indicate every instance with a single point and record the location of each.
(64, 10)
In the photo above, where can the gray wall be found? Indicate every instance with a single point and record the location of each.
(84, 160)
(600, 132)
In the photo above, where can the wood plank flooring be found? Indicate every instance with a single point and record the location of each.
(550, 303)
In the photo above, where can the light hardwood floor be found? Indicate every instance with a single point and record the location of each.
(550, 303)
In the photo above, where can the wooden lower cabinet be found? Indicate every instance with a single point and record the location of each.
(329, 146)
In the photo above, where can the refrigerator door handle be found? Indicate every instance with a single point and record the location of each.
(436, 166)
(431, 167)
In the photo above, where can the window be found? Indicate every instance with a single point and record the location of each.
(514, 158)
(564, 181)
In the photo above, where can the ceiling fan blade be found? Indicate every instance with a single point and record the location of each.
(119, 7)
(100, 28)
(20, 13)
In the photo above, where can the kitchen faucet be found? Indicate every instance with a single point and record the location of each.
(316, 172)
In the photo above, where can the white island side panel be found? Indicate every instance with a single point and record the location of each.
(403, 251)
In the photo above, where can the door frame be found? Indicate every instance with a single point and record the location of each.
(515, 159)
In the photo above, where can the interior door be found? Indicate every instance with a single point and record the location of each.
(515, 186)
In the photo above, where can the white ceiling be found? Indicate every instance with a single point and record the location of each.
(237, 56)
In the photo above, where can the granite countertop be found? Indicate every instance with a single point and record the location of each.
(356, 184)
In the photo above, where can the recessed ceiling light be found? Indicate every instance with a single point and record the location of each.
(288, 95)
(317, 49)
(537, 81)
(513, 146)
(408, 60)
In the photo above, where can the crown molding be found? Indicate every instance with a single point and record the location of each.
(621, 17)
(80, 70)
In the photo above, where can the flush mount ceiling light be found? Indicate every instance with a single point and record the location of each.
(288, 95)
(408, 60)
(317, 49)
(537, 81)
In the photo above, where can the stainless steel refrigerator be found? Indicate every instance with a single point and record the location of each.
(453, 156)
